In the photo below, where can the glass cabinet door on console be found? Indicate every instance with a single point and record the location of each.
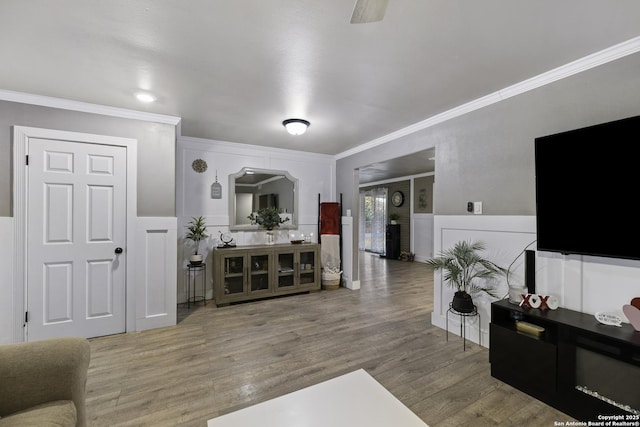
(308, 271)
(260, 269)
(286, 270)
(233, 275)
(297, 269)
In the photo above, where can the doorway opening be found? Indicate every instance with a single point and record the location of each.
(373, 214)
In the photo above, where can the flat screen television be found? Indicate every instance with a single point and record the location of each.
(587, 190)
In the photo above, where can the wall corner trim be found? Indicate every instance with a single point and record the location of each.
(85, 107)
(604, 56)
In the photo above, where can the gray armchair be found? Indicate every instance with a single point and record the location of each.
(42, 383)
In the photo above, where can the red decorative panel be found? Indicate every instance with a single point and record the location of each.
(329, 218)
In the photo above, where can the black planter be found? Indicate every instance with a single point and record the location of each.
(462, 302)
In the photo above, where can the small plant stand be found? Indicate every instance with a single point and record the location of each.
(463, 329)
(192, 272)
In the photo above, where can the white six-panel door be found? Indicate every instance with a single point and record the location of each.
(76, 221)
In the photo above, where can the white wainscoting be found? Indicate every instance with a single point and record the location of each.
(154, 287)
(505, 238)
(422, 236)
(7, 313)
(582, 283)
(347, 252)
(156, 274)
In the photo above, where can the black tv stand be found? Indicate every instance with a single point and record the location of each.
(579, 366)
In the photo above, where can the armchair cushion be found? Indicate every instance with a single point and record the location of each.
(61, 413)
(34, 375)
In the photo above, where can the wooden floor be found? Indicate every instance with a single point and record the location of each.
(218, 360)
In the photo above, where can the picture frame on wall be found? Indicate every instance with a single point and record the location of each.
(423, 195)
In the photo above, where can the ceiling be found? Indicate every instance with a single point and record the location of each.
(413, 164)
(233, 70)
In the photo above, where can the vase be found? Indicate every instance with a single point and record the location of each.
(462, 303)
(269, 237)
(515, 294)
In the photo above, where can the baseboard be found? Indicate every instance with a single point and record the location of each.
(351, 284)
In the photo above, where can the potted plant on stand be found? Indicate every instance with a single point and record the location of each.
(269, 219)
(468, 272)
(197, 229)
(393, 218)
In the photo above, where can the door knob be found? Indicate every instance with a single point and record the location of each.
(118, 250)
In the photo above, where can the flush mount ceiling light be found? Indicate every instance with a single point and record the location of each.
(296, 126)
(145, 97)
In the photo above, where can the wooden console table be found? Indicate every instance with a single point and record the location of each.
(245, 273)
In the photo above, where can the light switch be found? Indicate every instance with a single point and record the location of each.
(477, 208)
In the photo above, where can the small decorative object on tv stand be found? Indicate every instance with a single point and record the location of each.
(543, 302)
(633, 314)
(609, 319)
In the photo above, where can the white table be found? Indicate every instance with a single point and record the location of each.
(351, 400)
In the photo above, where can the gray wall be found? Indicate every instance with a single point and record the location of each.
(423, 193)
(488, 155)
(156, 150)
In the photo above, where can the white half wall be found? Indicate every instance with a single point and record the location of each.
(347, 248)
(505, 237)
(422, 236)
(154, 287)
(156, 273)
(581, 283)
(6, 281)
(588, 284)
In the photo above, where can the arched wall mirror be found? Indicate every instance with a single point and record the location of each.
(252, 189)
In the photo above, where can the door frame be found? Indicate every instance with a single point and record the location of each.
(21, 136)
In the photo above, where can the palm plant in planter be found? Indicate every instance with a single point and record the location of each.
(197, 229)
(463, 267)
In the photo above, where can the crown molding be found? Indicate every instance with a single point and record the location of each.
(604, 56)
(249, 149)
(85, 107)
